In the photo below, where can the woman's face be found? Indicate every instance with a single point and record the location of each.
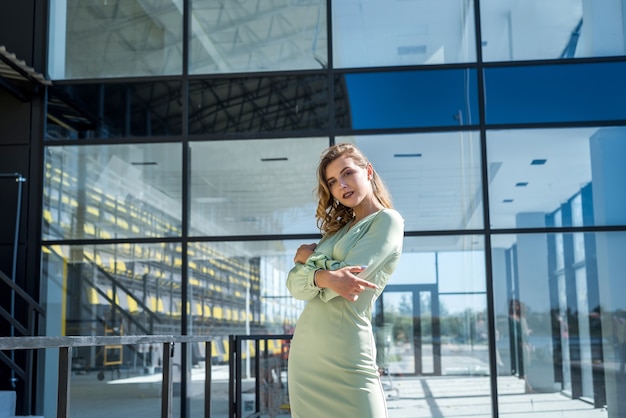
(348, 182)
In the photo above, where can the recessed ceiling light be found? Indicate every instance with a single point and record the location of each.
(143, 163)
(274, 159)
(521, 184)
(538, 162)
(507, 201)
(407, 155)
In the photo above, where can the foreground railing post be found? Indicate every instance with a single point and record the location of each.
(63, 394)
(167, 385)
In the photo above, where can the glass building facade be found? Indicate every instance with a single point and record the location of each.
(179, 155)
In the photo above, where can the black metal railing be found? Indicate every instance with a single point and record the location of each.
(67, 344)
(264, 358)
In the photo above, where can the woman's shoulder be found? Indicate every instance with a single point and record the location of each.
(388, 219)
(391, 215)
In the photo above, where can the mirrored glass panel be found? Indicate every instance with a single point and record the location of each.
(255, 187)
(259, 104)
(86, 111)
(384, 33)
(537, 29)
(114, 38)
(559, 330)
(434, 179)
(113, 290)
(241, 36)
(431, 326)
(238, 287)
(112, 191)
(555, 93)
(405, 99)
(557, 177)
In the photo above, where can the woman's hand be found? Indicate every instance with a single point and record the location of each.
(304, 252)
(344, 281)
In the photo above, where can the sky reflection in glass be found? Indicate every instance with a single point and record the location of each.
(404, 99)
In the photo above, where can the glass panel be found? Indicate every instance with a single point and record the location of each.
(239, 36)
(562, 330)
(415, 267)
(563, 339)
(426, 332)
(239, 288)
(383, 33)
(113, 290)
(405, 99)
(555, 93)
(394, 335)
(256, 187)
(225, 287)
(457, 333)
(112, 191)
(464, 342)
(434, 179)
(114, 38)
(584, 333)
(533, 172)
(261, 104)
(86, 111)
(537, 29)
(462, 270)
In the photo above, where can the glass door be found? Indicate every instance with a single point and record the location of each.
(406, 326)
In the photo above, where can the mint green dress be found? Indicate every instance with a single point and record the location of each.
(332, 369)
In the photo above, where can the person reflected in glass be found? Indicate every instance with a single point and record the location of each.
(332, 370)
(521, 348)
(619, 336)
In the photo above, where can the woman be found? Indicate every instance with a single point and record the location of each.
(332, 361)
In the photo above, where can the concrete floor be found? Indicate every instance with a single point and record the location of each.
(408, 397)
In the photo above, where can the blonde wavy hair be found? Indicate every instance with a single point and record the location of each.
(332, 215)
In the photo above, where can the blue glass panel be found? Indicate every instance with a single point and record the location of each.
(556, 93)
(403, 99)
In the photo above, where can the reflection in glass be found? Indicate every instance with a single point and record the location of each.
(464, 334)
(434, 179)
(563, 325)
(542, 177)
(426, 332)
(96, 111)
(537, 29)
(462, 270)
(430, 331)
(112, 191)
(113, 290)
(114, 39)
(255, 187)
(395, 340)
(405, 99)
(240, 36)
(454, 298)
(382, 33)
(259, 104)
(555, 93)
